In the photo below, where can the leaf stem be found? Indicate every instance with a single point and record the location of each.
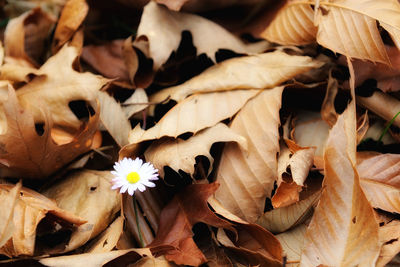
(388, 126)
(137, 221)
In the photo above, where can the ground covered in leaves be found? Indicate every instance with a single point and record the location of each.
(274, 126)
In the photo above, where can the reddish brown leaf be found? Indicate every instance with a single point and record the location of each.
(174, 236)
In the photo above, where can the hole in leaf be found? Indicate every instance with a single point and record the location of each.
(39, 127)
(93, 188)
(354, 220)
(81, 109)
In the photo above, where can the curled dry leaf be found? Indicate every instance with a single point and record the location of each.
(328, 111)
(9, 200)
(25, 36)
(30, 209)
(252, 72)
(180, 154)
(342, 26)
(31, 155)
(56, 85)
(108, 240)
(247, 176)
(282, 219)
(162, 28)
(389, 236)
(88, 194)
(343, 230)
(174, 236)
(113, 118)
(72, 16)
(136, 103)
(194, 114)
(292, 242)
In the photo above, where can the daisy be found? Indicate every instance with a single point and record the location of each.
(131, 175)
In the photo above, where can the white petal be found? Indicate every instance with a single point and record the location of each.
(130, 190)
(115, 187)
(123, 188)
(141, 187)
(149, 184)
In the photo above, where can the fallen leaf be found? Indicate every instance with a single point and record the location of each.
(389, 236)
(252, 72)
(247, 177)
(107, 240)
(31, 155)
(292, 243)
(195, 113)
(136, 103)
(180, 154)
(328, 111)
(343, 230)
(29, 211)
(163, 29)
(174, 236)
(87, 194)
(72, 16)
(9, 200)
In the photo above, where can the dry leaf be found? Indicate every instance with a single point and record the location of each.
(9, 200)
(113, 119)
(343, 230)
(253, 72)
(389, 235)
(163, 29)
(247, 177)
(72, 16)
(194, 114)
(344, 26)
(25, 36)
(328, 111)
(282, 219)
(180, 154)
(57, 85)
(292, 242)
(136, 103)
(30, 210)
(29, 154)
(174, 236)
(108, 240)
(88, 194)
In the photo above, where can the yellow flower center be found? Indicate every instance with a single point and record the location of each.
(133, 177)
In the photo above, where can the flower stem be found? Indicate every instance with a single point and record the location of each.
(137, 221)
(388, 126)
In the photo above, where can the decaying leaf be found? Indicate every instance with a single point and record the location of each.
(29, 154)
(343, 230)
(247, 177)
(29, 211)
(328, 111)
(9, 200)
(107, 240)
(194, 114)
(136, 103)
(252, 72)
(292, 242)
(87, 194)
(180, 154)
(56, 85)
(389, 236)
(162, 28)
(174, 236)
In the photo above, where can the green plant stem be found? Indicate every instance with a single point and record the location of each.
(137, 222)
(388, 126)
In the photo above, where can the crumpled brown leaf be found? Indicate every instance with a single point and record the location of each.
(174, 236)
(29, 211)
(87, 194)
(31, 155)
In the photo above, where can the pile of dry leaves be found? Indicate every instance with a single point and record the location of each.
(274, 127)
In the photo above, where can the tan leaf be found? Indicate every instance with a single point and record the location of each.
(282, 219)
(164, 38)
(194, 114)
(70, 85)
(255, 72)
(292, 242)
(29, 211)
(180, 154)
(328, 111)
(389, 236)
(72, 16)
(247, 177)
(87, 193)
(8, 200)
(107, 240)
(136, 103)
(37, 156)
(25, 36)
(113, 118)
(343, 230)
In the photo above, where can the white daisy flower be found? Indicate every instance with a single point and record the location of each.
(131, 175)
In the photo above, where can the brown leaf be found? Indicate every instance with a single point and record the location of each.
(30, 210)
(267, 71)
(72, 16)
(8, 200)
(247, 177)
(174, 236)
(292, 242)
(328, 111)
(180, 154)
(136, 103)
(108, 239)
(389, 236)
(87, 194)
(31, 155)
(25, 36)
(343, 230)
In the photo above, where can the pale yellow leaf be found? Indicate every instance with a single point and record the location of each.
(8, 201)
(180, 154)
(163, 29)
(108, 240)
(292, 242)
(343, 230)
(194, 114)
(247, 177)
(137, 102)
(389, 235)
(255, 72)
